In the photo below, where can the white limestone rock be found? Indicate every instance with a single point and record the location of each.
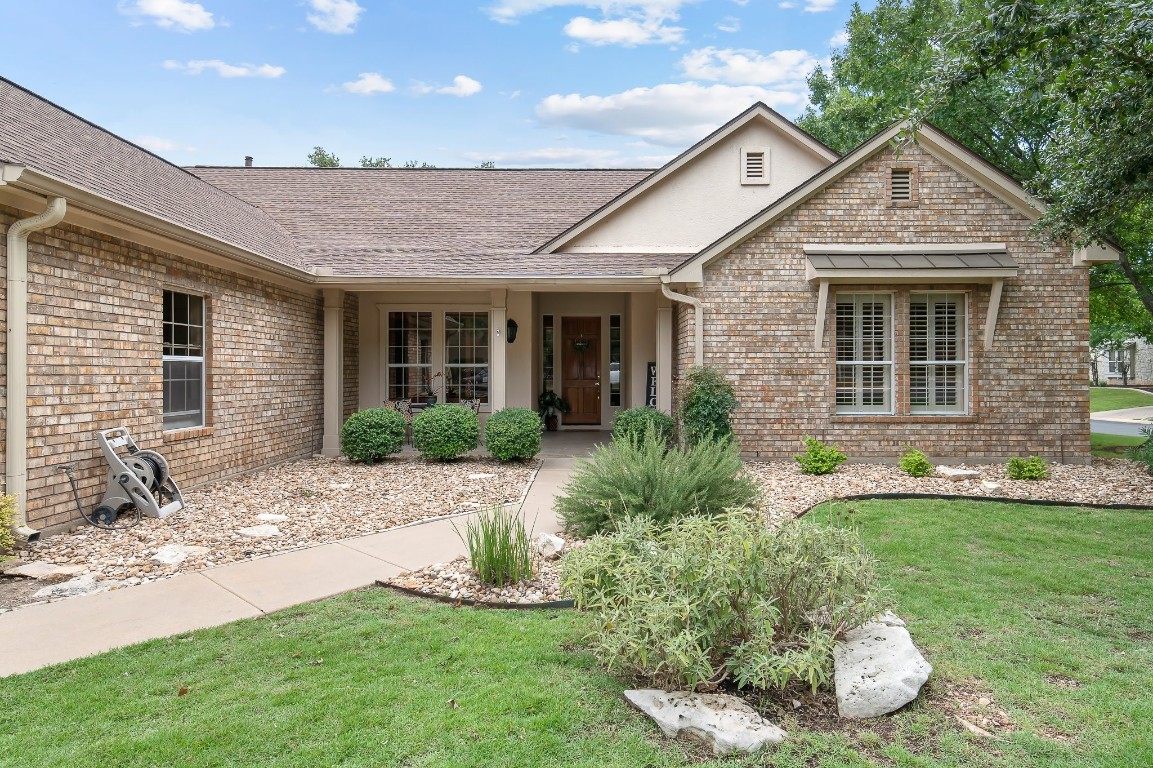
(878, 669)
(81, 585)
(271, 517)
(42, 571)
(725, 722)
(548, 546)
(173, 554)
(957, 474)
(263, 531)
(480, 476)
(991, 488)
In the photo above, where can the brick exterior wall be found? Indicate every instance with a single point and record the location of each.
(1028, 394)
(351, 354)
(95, 347)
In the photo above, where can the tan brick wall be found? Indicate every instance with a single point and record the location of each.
(1028, 394)
(95, 316)
(351, 354)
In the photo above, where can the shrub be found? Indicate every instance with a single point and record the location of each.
(818, 458)
(706, 400)
(647, 479)
(498, 546)
(1143, 453)
(513, 433)
(709, 599)
(915, 463)
(7, 520)
(373, 434)
(632, 424)
(1032, 468)
(445, 431)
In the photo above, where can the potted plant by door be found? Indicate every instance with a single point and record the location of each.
(548, 404)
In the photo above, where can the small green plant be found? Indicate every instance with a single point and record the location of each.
(1032, 468)
(513, 434)
(373, 434)
(445, 431)
(712, 599)
(498, 546)
(915, 463)
(818, 458)
(706, 402)
(632, 424)
(1143, 453)
(7, 520)
(648, 479)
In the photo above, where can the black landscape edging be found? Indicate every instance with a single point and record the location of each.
(963, 497)
(460, 601)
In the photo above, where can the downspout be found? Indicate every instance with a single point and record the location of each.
(698, 319)
(16, 440)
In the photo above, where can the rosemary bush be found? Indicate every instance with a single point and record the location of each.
(498, 546)
(706, 600)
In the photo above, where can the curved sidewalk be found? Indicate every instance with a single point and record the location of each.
(50, 633)
(1124, 421)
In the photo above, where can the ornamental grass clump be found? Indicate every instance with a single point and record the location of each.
(373, 434)
(647, 479)
(631, 424)
(915, 463)
(513, 434)
(1032, 468)
(818, 458)
(445, 431)
(498, 546)
(708, 600)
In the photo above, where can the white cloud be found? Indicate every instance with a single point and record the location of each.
(369, 82)
(224, 69)
(180, 15)
(462, 85)
(819, 6)
(510, 10)
(159, 145)
(670, 114)
(729, 24)
(839, 40)
(568, 157)
(626, 32)
(742, 66)
(337, 17)
(787, 4)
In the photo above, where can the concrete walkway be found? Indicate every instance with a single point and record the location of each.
(1125, 421)
(51, 633)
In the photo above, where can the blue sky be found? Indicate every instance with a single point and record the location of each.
(450, 82)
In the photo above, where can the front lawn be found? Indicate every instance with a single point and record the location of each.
(1112, 446)
(1115, 398)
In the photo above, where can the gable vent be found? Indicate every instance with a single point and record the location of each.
(901, 185)
(755, 166)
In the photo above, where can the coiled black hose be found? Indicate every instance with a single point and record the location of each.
(68, 469)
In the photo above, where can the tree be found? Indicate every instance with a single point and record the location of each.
(375, 162)
(487, 165)
(322, 158)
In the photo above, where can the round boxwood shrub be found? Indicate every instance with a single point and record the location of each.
(445, 431)
(513, 433)
(373, 434)
(632, 424)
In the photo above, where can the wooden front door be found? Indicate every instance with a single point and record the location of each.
(581, 366)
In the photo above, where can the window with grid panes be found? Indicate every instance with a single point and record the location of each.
(409, 355)
(183, 360)
(937, 353)
(864, 364)
(466, 355)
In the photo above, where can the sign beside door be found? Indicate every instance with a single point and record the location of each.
(651, 386)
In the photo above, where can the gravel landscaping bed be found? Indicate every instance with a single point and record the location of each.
(319, 499)
(457, 580)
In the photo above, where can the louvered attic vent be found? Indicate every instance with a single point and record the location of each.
(755, 166)
(901, 185)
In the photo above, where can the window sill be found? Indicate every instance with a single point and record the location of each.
(909, 418)
(188, 433)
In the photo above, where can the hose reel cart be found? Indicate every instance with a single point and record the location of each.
(135, 478)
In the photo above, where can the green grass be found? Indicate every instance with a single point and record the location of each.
(1114, 398)
(1112, 446)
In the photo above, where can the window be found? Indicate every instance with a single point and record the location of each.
(614, 360)
(1119, 361)
(547, 354)
(755, 166)
(409, 355)
(937, 353)
(864, 353)
(183, 360)
(465, 356)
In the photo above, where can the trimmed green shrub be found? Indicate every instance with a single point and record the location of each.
(647, 479)
(632, 423)
(712, 599)
(498, 545)
(706, 400)
(513, 433)
(915, 463)
(7, 520)
(818, 458)
(445, 431)
(373, 434)
(1032, 468)
(1143, 453)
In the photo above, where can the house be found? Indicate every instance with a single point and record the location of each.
(1131, 364)
(233, 317)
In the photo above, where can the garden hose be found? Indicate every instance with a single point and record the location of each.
(68, 469)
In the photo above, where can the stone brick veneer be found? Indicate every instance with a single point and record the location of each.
(1028, 394)
(95, 312)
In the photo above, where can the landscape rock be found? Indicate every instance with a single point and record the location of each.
(548, 546)
(878, 669)
(173, 554)
(988, 486)
(270, 517)
(43, 571)
(956, 474)
(259, 531)
(724, 722)
(81, 585)
(480, 476)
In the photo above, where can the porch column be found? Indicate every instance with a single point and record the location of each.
(333, 370)
(498, 317)
(664, 354)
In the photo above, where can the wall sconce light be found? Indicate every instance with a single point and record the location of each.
(511, 331)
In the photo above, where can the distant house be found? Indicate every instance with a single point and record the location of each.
(233, 317)
(1134, 360)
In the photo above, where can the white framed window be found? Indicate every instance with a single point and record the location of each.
(864, 353)
(754, 165)
(938, 352)
(466, 356)
(183, 360)
(436, 349)
(409, 355)
(1118, 361)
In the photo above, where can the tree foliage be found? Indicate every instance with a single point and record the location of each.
(322, 158)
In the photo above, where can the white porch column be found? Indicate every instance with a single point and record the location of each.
(664, 355)
(498, 317)
(333, 370)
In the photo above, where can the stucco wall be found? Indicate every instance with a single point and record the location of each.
(95, 347)
(1028, 394)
